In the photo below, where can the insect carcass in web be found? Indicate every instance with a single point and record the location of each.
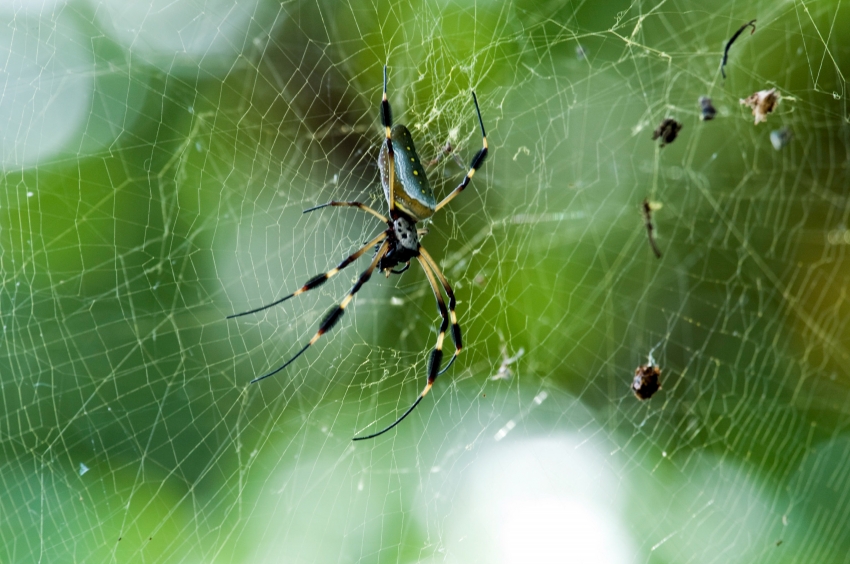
(667, 131)
(706, 108)
(779, 138)
(762, 103)
(647, 381)
(729, 43)
(647, 208)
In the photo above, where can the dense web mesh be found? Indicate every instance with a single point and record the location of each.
(157, 157)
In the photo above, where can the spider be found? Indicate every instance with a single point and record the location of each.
(410, 200)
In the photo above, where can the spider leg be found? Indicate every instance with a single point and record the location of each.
(436, 354)
(319, 279)
(387, 122)
(456, 338)
(397, 421)
(333, 316)
(363, 207)
(402, 271)
(476, 163)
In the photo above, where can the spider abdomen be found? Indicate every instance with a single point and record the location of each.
(412, 191)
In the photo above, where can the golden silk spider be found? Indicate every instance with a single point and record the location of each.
(410, 199)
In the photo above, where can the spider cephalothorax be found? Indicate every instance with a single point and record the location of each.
(410, 199)
(402, 244)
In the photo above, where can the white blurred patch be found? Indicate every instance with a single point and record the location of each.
(539, 500)
(31, 6)
(165, 32)
(46, 84)
(559, 530)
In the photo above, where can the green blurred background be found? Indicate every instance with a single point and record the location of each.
(156, 159)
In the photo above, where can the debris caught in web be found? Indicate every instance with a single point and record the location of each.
(505, 372)
(762, 102)
(445, 150)
(581, 52)
(667, 131)
(647, 208)
(647, 381)
(707, 110)
(729, 43)
(779, 138)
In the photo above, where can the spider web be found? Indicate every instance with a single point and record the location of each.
(157, 157)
